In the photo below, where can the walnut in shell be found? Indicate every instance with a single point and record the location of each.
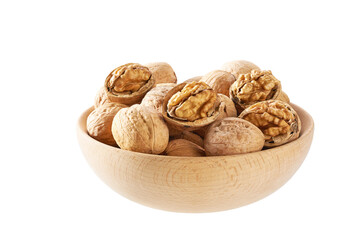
(254, 87)
(229, 107)
(191, 106)
(239, 67)
(153, 99)
(101, 98)
(190, 136)
(193, 79)
(276, 119)
(219, 80)
(162, 72)
(100, 120)
(139, 130)
(231, 136)
(183, 147)
(128, 83)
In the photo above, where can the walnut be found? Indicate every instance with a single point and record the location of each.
(128, 83)
(193, 79)
(162, 72)
(231, 136)
(153, 99)
(182, 147)
(276, 119)
(191, 106)
(137, 129)
(229, 109)
(254, 87)
(100, 120)
(283, 97)
(101, 98)
(190, 136)
(239, 67)
(219, 80)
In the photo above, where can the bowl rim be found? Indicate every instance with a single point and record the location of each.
(81, 129)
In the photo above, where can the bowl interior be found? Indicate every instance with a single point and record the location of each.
(196, 184)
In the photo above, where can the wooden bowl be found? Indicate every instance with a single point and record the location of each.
(196, 184)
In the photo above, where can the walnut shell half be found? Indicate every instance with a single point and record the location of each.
(276, 119)
(100, 120)
(231, 136)
(190, 106)
(139, 130)
(128, 83)
(162, 72)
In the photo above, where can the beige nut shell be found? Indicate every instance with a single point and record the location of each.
(185, 148)
(153, 99)
(162, 72)
(231, 136)
(193, 79)
(239, 67)
(137, 129)
(219, 80)
(101, 97)
(100, 120)
(190, 136)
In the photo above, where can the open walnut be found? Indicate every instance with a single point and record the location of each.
(162, 72)
(139, 130)
(231, 136)
(219, 80)
(100, 120)
(276, 119)
(185, 148)
(239, 67)
(191, 106)
(128, 83)
(255, 87)
(153, 99)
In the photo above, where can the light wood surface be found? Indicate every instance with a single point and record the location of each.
(196, 184)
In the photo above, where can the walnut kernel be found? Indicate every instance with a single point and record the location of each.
(128, 83)
(254, 87)
(276, 119)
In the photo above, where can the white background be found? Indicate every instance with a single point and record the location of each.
(54, 55)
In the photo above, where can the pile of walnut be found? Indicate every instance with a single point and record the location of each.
(237, 109)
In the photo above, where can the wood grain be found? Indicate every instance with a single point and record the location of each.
(196, 184)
